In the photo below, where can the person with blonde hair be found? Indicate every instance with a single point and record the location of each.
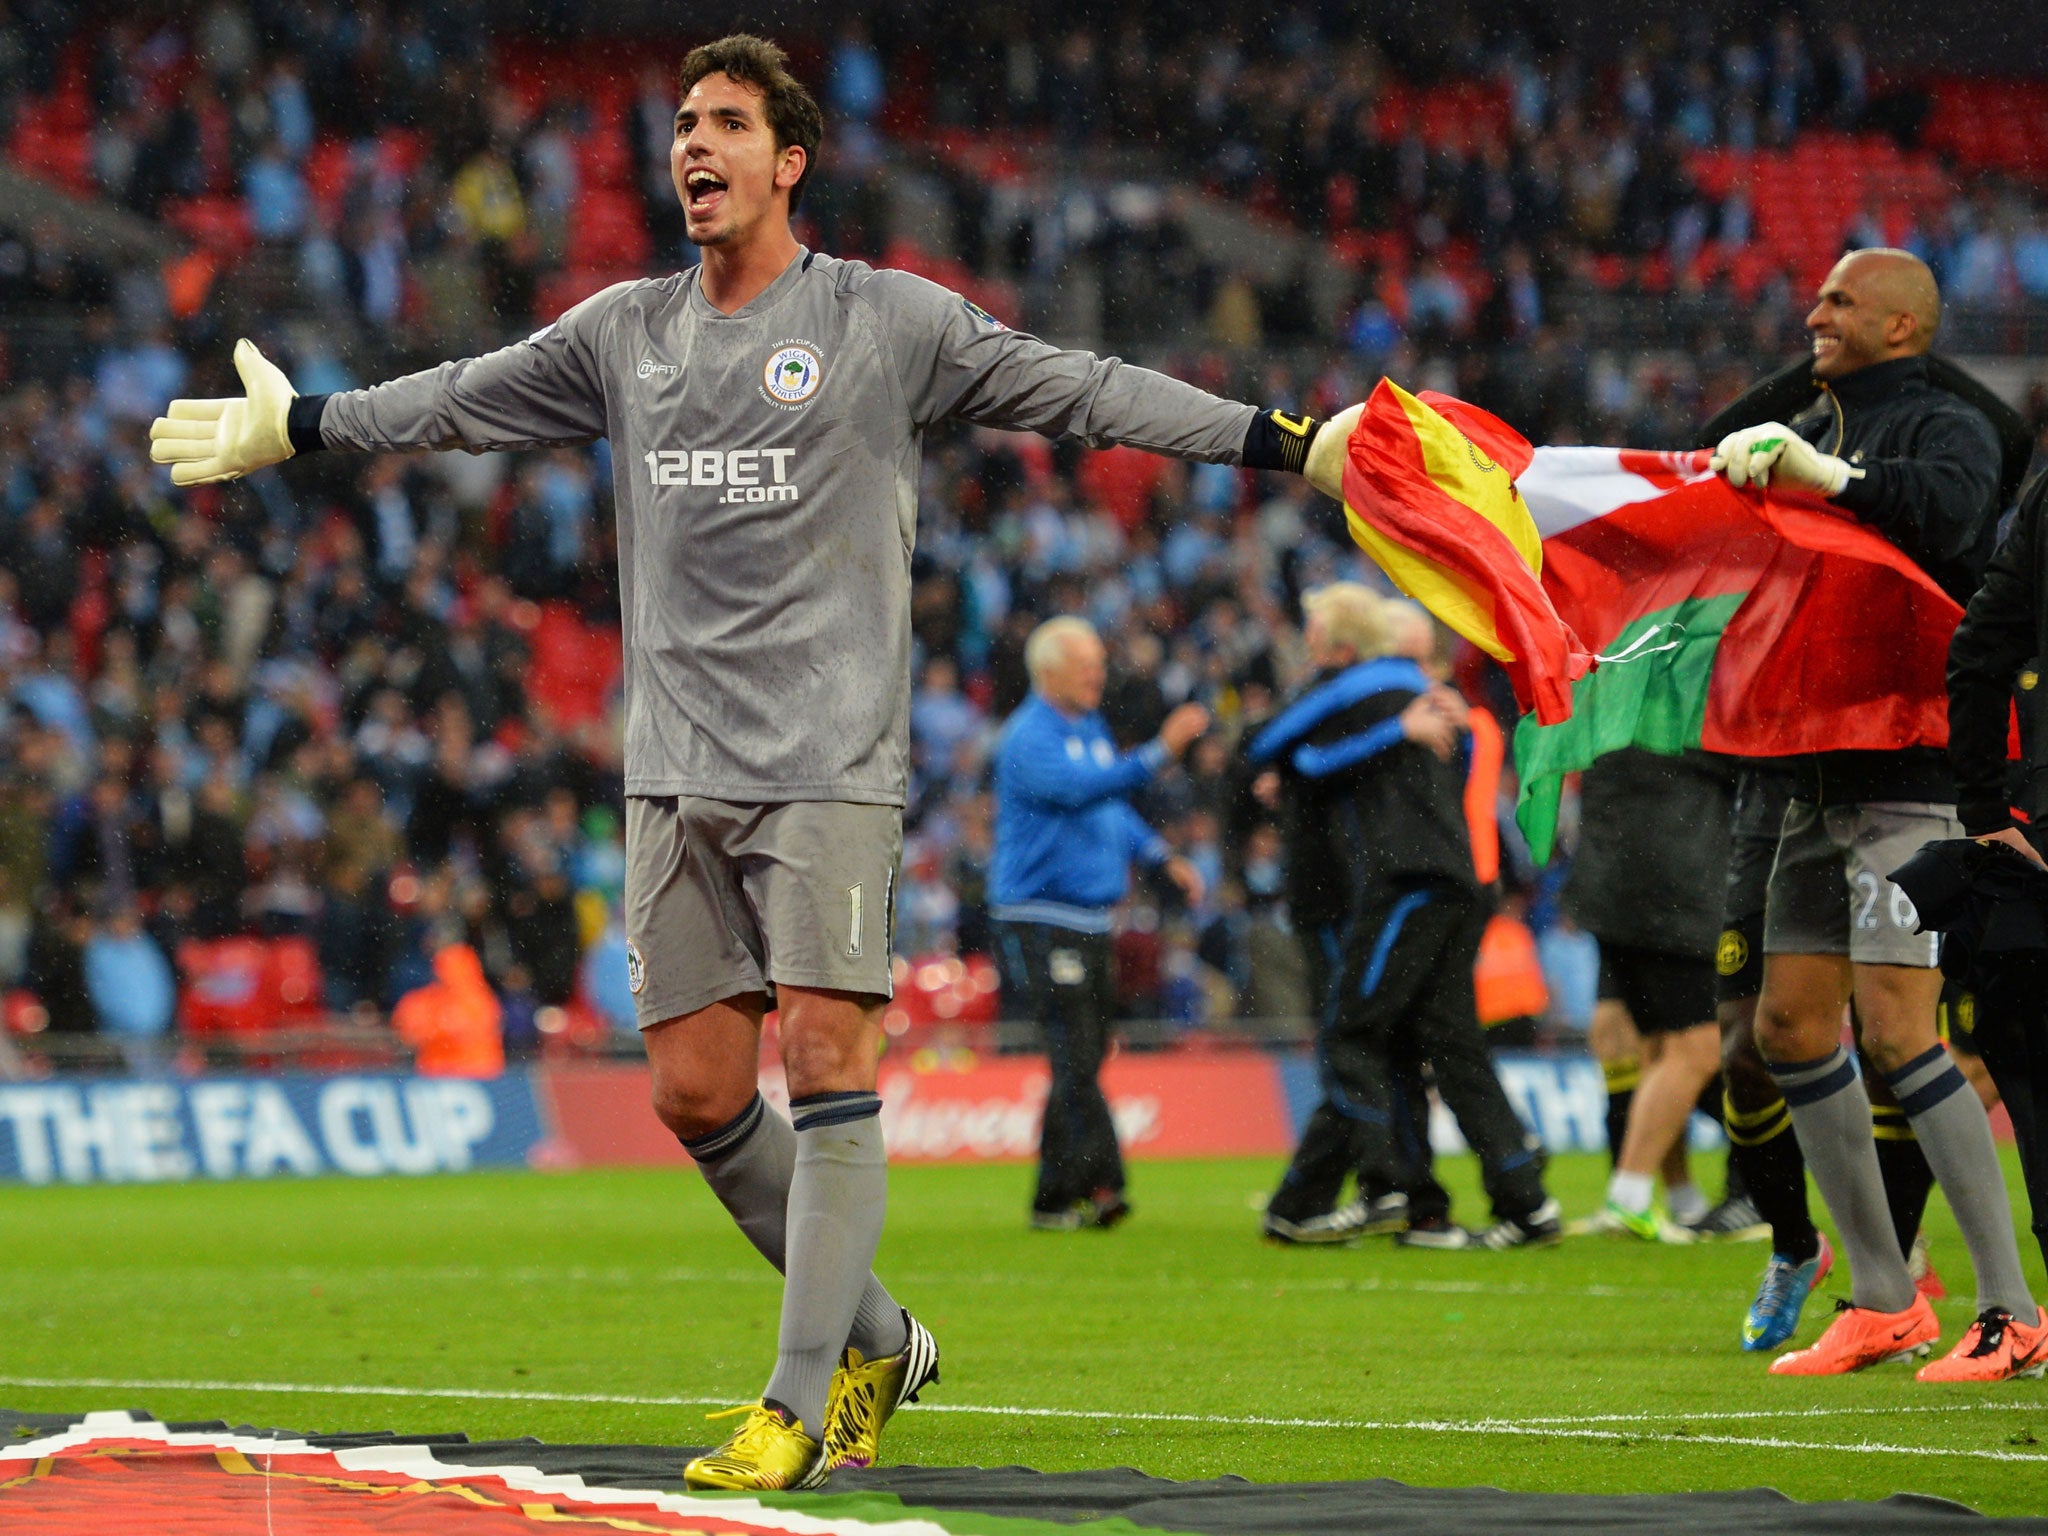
(1366, 767)
(1349, 613)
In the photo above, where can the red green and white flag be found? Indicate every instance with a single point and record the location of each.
(1758, 624)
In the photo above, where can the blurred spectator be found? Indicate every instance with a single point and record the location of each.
(857, 84)
(277, 195)
(133, 993)
(607, 980)
(927, 906)
(941, 717)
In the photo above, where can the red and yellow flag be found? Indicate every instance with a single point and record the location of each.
(1429, 493)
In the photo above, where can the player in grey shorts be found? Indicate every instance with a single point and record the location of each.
(1920, 466)
(819, 876)
(766, 413)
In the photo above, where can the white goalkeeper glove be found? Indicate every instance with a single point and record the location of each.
(208, 440)
(1326, 455)
(1757, 455)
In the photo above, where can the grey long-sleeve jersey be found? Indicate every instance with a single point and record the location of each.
(765, 474)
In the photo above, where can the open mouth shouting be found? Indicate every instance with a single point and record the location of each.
(704, 191)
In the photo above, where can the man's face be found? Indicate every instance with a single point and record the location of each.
(1850, 325)
(1075, 682)
(727, 170)
(1315, 639)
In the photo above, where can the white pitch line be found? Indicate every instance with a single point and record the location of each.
(1539, 1428)
(673, 1275)
(317, 1389)
(1686, 1416)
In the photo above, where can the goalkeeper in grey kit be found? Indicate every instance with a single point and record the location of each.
(766, 412)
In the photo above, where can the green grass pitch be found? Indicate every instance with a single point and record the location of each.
(618, 1305)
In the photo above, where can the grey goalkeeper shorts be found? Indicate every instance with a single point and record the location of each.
(723, 899)
(1831, 891)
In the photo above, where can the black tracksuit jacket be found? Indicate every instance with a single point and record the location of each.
(1364, 811)
(1992, 660)
(1931, 468)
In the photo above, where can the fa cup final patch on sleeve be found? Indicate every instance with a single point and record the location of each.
(982, 315)
(792, 374)
(636, 968)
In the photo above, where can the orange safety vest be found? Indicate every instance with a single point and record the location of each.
(453, 1022)
(1482, 793)
(1508, 976)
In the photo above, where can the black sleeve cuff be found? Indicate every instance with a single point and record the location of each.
(1983, 817)
(1862, 495)
(1276, 440)
(302, 423)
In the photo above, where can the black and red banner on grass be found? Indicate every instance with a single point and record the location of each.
(108, 1474)
(113, 1472)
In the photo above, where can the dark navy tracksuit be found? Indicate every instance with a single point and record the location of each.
(1382, 891)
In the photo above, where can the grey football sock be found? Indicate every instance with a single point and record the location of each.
(748, 1163)
(1955, 1134)
(1831, 1115)
(836, 1200)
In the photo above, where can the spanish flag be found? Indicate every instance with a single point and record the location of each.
(1429, 492)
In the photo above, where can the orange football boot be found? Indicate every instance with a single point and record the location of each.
(1996, 1347)
(1859, 1337)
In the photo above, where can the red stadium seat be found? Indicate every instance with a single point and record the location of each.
(602, 158)
(328, 169)
(44, 148)
(575, 666)
(608, 229)
(22, 1012)
(221, 224)
(246, 986)
(948, 989)
(1121, 481)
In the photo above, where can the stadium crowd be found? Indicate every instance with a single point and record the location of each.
(302, 706)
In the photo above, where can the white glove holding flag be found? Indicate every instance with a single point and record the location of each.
(1324, 468)
(208, 440)
(1755, 455)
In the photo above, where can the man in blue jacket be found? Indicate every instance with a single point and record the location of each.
(1065, 838)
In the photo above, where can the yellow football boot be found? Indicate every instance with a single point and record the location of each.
(768, 1452)
(865, 1393)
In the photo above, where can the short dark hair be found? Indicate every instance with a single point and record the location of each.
(793, 114)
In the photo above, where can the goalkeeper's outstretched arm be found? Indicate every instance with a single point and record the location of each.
(543, 391)
(956, 361)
